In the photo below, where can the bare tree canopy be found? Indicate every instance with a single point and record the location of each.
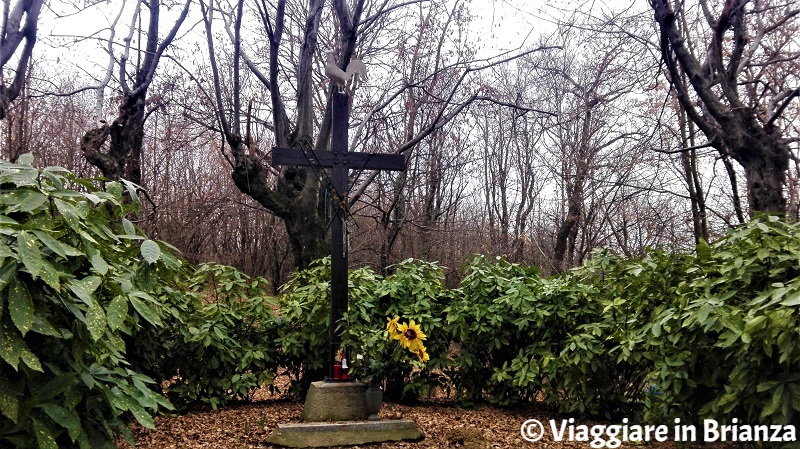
(731, 67)
(566, 140)
(298, 194)
(123, 155)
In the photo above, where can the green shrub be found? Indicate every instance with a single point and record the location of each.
(414, 291)
(216, 345)
(304, 314)
(76, 280)
(727, 344)
(604, 363)
(521, 336)
(493, 320)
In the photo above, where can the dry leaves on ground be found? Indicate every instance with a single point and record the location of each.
(444, 424)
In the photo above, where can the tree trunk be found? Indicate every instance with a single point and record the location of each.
(731, 126)
(123, 159)
(568, 231)
(764, 155)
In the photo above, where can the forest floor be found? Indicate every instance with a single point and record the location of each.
(444, 424)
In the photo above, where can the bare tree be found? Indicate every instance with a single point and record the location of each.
(122, 156)
(48, 126)
(19, 23)
(724, 75)
(301, 111)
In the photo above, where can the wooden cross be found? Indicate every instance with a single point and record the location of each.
(340, 162)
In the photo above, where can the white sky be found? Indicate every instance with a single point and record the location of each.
(499, 25)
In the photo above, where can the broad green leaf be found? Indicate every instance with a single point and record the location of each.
(128, 227)
(22, 176)
(169, 260)
(117, 312)
(84, 288)
(792, 299)
(22, 200)
(29, 253)
(755, 324)
(44, 437)
(88, 380)
(70, 214)
(10, 349)
(97, 261)
(92, 197)
(58, 247)
(150, 251)
(8, 270)
(61, 416)
(132, 191)
(96, 320)
(30, 358)
(13, 348)
(51, 243)
(31, 200)
(20, 305)
(5, 220)
(5, 251)
(764, 386)
(42, 326)
(31, 257)
(141, 415)
(99, 264)
(25, 159)
(145, 311)
(54, 387)
(114, 188)
(774, 403)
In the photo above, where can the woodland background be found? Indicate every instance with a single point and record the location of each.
(595, 132)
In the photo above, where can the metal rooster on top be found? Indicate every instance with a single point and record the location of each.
(345, 80)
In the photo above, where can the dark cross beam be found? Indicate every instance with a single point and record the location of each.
(340, 162)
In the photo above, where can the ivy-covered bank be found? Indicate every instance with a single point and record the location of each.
(100, 325)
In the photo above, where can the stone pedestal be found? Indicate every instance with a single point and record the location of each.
(335, 401)
(334, 414)
(344, 433)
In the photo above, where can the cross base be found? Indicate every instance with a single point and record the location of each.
(335, 401)
(325, 434)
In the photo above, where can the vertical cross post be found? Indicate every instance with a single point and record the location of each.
(340, 119)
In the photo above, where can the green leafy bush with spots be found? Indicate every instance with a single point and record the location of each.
(77, 282)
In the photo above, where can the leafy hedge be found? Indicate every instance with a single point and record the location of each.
(708, 336)
(727, 341)
(76, 279)
(414, 291)
(216, 344)
(97, 321)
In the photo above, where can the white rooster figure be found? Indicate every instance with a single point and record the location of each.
(346, 80)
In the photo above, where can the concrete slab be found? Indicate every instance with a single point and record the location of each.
(335, 401)
(324, 434)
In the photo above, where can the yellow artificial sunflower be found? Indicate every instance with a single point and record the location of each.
(422, 354)
(411, 335)
(391, 327)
